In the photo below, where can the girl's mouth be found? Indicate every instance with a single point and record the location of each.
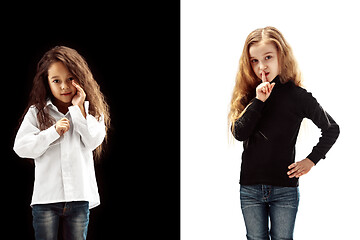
(266, 74)
(65, 94)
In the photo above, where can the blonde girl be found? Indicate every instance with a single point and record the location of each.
(267, 107)
(63, 129)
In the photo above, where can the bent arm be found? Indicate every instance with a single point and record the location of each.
(246, 124)
(91, 130)
(30, 142)
(330, 130)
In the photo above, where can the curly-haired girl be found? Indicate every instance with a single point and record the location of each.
(62, 128)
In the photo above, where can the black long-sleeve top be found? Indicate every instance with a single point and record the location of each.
(269, 131)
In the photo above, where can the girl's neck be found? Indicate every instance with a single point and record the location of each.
(61, 106)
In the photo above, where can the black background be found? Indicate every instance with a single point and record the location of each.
(134, 54)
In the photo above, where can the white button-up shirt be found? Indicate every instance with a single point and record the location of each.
(64, 166)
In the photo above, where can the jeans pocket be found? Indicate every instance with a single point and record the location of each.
(286, 197)
(249, 196)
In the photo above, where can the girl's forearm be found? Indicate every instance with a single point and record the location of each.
(82, 109)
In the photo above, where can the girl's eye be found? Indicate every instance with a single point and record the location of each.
(71, 78)
(253, 60)
(56, 81)
(268, 57)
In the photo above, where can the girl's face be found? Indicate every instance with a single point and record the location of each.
(59, 79)
(264, 60)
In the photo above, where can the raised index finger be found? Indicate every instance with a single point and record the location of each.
(76, 85)
(263, 78)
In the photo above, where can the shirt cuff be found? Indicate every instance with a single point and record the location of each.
(50, 135)
(75, 112)
(257, 105)
(315, 157)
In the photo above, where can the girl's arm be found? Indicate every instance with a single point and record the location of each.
(329, 128)
(30, 142)
(91, 130)
(329, 133)
(246, 124)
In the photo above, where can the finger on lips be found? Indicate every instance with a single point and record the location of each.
(267, 87)
(263, 77)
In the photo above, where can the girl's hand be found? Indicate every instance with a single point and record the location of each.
(300, 168)
(79, 98)
(62, 126)
(264, 89)
(80, 95)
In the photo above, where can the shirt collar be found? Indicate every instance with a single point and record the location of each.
(49, 103)
(276, 79)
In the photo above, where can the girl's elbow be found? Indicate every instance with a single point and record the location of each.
(95, 142)
(27, 149)
(25, 153)
(19, 150)
(333, 131)
(240, 134)
(240, 137)
(337, 129)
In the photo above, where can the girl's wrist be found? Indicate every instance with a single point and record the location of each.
(263, 100)
(82, 109)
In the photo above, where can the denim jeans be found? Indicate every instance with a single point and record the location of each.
(74, 216)
(259, 203)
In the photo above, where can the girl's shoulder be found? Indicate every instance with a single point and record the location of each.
(304, 98)
(32, 110)
(31, 114)
(296, 90)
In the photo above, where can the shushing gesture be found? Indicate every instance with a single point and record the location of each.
(62, 126)
(264, 89)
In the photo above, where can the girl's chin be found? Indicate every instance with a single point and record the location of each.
(267, 80)
(64, 101)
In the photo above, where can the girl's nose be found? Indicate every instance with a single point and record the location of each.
(64, 86)
(262, 66)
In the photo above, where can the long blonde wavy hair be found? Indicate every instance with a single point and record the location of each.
(247, 81)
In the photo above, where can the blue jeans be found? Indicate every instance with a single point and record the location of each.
(259, 203)
(75, 217)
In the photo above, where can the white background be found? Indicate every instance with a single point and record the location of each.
(324, 36)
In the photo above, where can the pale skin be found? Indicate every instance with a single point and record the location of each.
(66, 93)
(265, 64)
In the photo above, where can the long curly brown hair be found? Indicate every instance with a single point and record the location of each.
(78, 67)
